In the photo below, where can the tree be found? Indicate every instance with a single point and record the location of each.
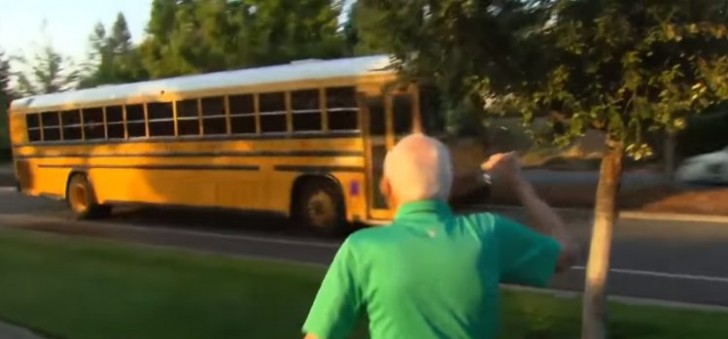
(6, 96)
(626, 68)
(5, 93)
(113, 58)
(193, 36)
(362, 34)
(50, 71)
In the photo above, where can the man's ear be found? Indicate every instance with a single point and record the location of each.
(385, 188)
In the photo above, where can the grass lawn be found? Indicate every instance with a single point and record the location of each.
(77, 289)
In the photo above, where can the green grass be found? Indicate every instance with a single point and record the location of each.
(76, 289)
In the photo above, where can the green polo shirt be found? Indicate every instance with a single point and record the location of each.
(431, 274)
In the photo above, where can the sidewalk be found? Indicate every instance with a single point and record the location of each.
(8, 331)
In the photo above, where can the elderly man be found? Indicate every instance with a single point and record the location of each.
(433, 274)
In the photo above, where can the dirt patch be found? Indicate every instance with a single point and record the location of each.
(706, 201)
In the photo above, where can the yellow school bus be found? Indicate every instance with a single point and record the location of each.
(305, 139)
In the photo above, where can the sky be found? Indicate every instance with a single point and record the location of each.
(69, 23)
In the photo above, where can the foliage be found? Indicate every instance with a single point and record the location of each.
(362, 32)
(623, 67)
(193, 36)
(50, 71)
(113, 58)
(5, 97)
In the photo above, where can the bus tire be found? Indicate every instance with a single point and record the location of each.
(81, 198)
(319, 206)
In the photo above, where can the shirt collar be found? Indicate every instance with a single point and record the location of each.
(437, 209)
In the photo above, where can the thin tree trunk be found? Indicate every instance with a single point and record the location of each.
(670, 156)
(594, 312)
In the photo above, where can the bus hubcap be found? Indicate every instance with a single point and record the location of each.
(321, 209)
(78, 198)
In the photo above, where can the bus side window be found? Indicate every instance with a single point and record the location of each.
(51, 126)
(188, 121)
(135, 121)
(93, 123)
(342, 109)
(115, 122)
(306, 111)
(161, 119)
(402, 110)
(242, 114)
(71, 121)
(377, 116)
(32, 123)
(273, 113)
(213, 116)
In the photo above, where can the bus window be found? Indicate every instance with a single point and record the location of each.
(377, 116)
(161, 119)
(342, 109)
(51, 126)
(433, 119)
(71, 121)
(93, 123)
(213, 116)
(135, 121)
(32, 122)
(402, 110)
(242, 114)
(114, 122)
(273, 113)
(188, 120)
(306, 110)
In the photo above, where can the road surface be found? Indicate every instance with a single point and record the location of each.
(672, 261)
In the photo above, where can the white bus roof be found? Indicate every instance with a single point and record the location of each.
(295, 71)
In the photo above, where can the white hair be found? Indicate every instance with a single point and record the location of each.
(419, 168)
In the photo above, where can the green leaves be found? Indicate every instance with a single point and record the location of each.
(196, 36)
(113, 58)
(625, 67)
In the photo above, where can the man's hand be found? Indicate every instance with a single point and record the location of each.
(505, 167)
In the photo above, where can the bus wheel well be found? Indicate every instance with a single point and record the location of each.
(81, 197)
(311, 189)
(74, 172)
(309, 179)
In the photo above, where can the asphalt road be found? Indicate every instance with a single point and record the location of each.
(666, 260)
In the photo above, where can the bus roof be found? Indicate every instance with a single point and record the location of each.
(295, 71)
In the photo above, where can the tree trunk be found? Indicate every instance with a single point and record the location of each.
(670, 156)
(594, 312)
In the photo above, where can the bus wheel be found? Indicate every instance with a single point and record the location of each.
(82, 199)
(320, 207)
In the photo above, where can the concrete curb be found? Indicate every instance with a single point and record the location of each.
(628, 215)
(622, 300)
(8, 331)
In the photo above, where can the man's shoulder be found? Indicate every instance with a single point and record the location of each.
(482, 221)
(369, 234)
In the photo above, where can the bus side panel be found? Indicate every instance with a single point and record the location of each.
(353, 185)
(193, 187)
(48, 181)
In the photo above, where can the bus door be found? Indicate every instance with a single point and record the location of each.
(389, 117)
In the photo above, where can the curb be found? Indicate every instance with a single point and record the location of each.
(636, 215)
(627, 215)
(622, 300)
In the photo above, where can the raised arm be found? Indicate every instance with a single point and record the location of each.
(543, 218)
